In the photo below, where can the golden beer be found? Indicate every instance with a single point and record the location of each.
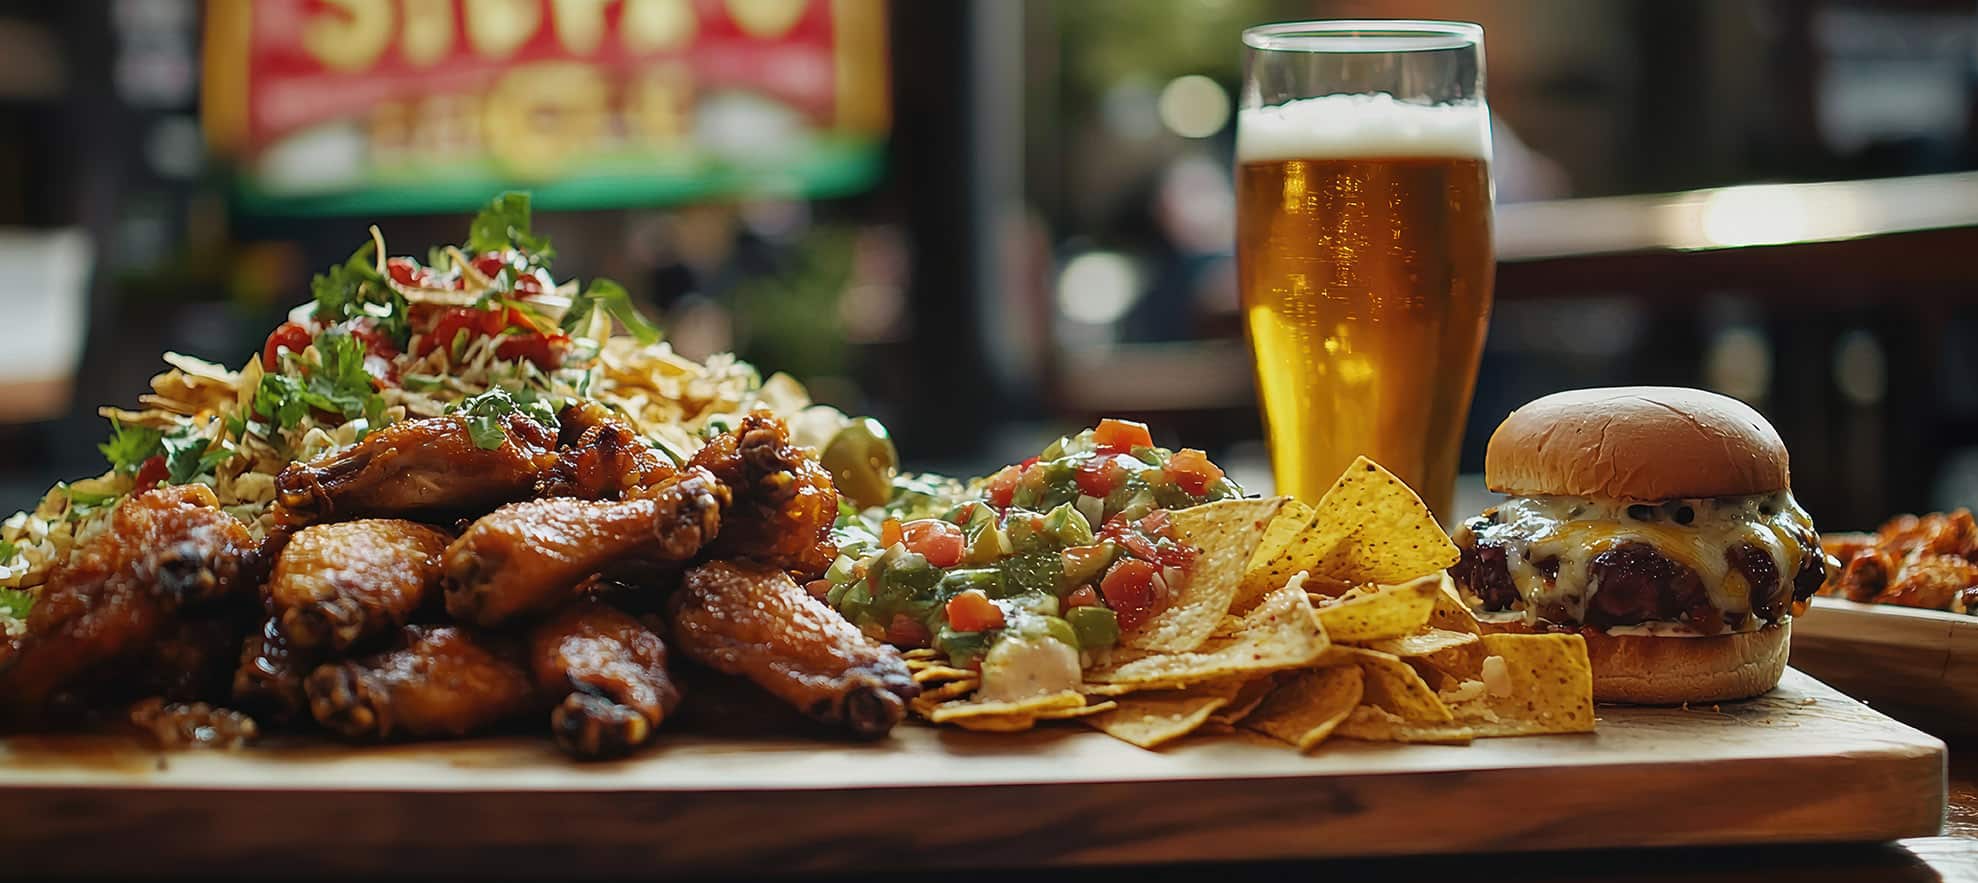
(1366, 284)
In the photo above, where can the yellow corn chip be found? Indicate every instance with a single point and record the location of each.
(1532, 684)
(1227, 532)
(997, 723)
(1265, 573)
(1280, 633)
(957, 711)
(1442, 657)
(1245, 701)
(1396, 687)
(1069, 713)
(1377, 725)
(931, 696)
(1370, 527)
(1308, 705)
(1389, 612)
(1155, 718)
(1451, 614)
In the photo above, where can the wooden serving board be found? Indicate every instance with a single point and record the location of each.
(1919, 665)
(1804, 763)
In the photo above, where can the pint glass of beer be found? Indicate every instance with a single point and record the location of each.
(1364, 244)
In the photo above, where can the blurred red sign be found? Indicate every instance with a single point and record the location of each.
(323, 98)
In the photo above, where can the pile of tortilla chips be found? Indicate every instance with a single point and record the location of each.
(1301, 623)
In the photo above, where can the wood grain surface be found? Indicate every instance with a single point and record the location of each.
(1802, 764)
(1918, 665)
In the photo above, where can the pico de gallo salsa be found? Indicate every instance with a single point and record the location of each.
(1072, 546)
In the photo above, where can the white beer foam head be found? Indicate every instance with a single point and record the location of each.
(1362, 127)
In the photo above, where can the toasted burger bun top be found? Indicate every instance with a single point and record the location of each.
(1636, 443)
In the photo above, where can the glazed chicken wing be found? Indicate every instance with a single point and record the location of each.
(441, 681)
(534, 555)
(338, 584)
(164, 550)
(600, 457)
(784, 501)
(268, 678)
(416, 466)
(754, 621)
(610, 671)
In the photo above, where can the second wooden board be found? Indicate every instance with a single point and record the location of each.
(1801, 764)
(1920, 665)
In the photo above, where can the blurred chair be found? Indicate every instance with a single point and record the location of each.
(43, 288)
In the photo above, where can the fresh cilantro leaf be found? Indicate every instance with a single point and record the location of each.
(484, 413)
(355, 289)
(8, 551)
(614, 299)
(504, 224)
(83, 503)
(129, 446)
(337, 383)
(15, 603)
(189, 455)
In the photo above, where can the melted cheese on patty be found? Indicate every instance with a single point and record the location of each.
(1573, 530)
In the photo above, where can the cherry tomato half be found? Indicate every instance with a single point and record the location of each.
(291, 336)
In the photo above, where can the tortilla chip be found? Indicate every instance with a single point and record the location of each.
(939, 673)
(1395, 686)
(1265, 573)
(1389, 612)
(1307, 706)
(1543, 684)
(1227, 532)
(1069, 713)
(1153, 719)
(920, 654)
(1280, 633)
(1377, 725)
(1442, 657)
(1370, 527)
(1245, 701)
(997, 723)
(931, 696)
(954, 712)
(1451, 614)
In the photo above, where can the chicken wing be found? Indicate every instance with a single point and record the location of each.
(784, 501)
(416, 466)
(754, 621)
(600, 457)
(611, 674)
(338, 584)
(268, 679)
(533, 556)
(441, 681)
(163, 550)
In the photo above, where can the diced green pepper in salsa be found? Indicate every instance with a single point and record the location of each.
(1072, 545)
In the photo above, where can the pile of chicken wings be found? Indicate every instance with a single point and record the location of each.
(420, 585)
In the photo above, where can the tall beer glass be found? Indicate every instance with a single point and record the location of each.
(1364, 244)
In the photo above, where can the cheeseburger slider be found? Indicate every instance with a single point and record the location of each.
(1658, 522)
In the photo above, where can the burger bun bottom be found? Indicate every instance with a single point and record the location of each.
(1651, 670)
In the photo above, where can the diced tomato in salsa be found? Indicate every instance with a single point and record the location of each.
(939, 542)
(152, 472)
(1129, 591)
(890, 532)
(1083, 596)
(1098, 476)
(1001, 487)
(1192, 472)
(972, 611)
(1120, 436)
(905, 631)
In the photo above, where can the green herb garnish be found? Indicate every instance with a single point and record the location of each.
(130, 446)
(15, 603)
(484, 415)
(189, 455)
(337, 383)
(8, 551)
(614, 299)
(355, 289)
(504, 225)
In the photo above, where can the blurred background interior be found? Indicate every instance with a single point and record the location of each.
(988, 222)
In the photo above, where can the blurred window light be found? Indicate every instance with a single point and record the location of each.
(1194, 106)
(1129, 110)
(1861, 370)
(1754, 216)
(1739, 364)
(1097, 288)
